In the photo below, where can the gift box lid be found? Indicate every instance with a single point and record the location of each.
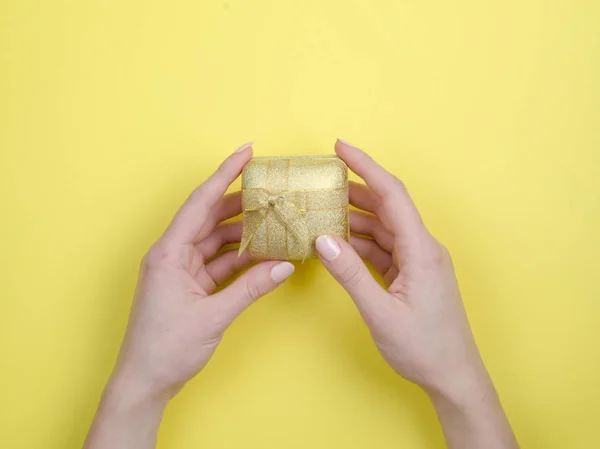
(277, 173)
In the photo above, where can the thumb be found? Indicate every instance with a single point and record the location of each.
(254, 283)
(349, 270)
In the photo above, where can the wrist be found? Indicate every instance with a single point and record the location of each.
(460, 379)
(472, 408)
(127, 393)
(129, 415)
(467, 391)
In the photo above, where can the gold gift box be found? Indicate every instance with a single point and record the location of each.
(287, 202)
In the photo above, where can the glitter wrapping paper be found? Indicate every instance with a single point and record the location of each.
(287, 202)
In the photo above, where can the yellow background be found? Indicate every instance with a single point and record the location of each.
(111, 112)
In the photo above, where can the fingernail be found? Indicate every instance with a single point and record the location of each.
(244, 147)
(282, 271)
(327, 247)
(345, 142)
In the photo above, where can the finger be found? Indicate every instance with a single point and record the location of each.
(224, 266)
(390, 276)
(366, 224)
(349, 270)
(382, 261)
(223, 234)
(254, 283)
(404, 217)
(362, 197)
(191, 219)
(227, 207)
(377, 178)
(369, 250)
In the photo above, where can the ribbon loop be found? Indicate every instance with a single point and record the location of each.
(263, 201)
(289, 207)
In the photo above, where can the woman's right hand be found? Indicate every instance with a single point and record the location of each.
(419, 323)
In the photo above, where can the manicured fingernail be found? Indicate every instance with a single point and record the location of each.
(282, 271)
(345, 142)
(327, 247)
(244, 147)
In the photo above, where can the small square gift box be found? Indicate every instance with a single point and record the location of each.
(287, 202)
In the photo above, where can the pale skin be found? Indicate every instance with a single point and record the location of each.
(418, 321)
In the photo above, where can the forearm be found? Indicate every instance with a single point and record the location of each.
(472, 416)
(128, 417)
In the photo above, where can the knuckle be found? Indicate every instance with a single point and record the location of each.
(397, 187)
(379, 233)
(398, 183)
(157, 255)
(351, 275)
(365, 157)
(197, 201)
(435, 255)
(196, 194)
(253, 291)
(220, 236)
(223, 168)
(445, 253)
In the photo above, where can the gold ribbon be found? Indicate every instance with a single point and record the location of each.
(289, 206)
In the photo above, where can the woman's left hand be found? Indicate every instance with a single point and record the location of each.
(177, 318)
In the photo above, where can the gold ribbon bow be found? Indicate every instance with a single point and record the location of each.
(283, 205)
(289, 207)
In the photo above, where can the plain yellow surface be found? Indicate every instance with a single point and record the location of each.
(111, 112)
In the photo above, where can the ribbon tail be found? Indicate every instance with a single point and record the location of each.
(301, 237)
(290, 216)
(249, 231)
